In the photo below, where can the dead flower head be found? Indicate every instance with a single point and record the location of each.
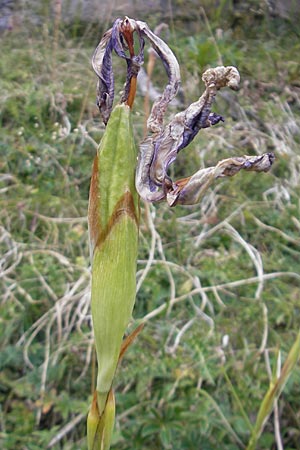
(161, 147)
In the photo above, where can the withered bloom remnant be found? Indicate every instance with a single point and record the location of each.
(120, 176)
(161, 147)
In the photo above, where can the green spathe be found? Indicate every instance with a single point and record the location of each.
(117, 162)
(113, 296)
(113, 221)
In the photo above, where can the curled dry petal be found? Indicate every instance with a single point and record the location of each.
(190, 190)
(155, 120)
(102, 65)
(222, 76)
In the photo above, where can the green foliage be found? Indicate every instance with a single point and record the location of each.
(220, 280)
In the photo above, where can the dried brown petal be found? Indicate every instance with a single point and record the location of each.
(190, 190)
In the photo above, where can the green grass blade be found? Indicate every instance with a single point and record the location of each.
(273, 393)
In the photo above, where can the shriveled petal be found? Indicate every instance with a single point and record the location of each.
(190, 190)
(113, 40)
(222, 76)
(102, 65)
(155, 120)
(160, 150)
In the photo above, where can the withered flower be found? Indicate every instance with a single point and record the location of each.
(161, 147)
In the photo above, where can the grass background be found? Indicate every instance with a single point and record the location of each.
(218, 283)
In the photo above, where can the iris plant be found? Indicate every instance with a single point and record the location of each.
(121, 175)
